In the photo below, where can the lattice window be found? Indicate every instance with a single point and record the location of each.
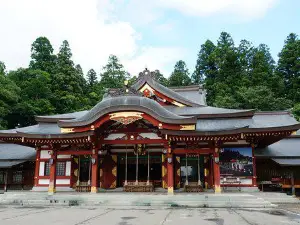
(47, 169)
(60, 168)
(17, 177)
(1, 177)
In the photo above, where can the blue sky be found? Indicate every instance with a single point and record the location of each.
(141, 33)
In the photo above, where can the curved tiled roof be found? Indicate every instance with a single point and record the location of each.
(128, 103)
(210, 112)
(145, 77)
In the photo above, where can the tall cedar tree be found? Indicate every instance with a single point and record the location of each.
(205, 65)
(91, 77)
(289, 67)
(113, 75)
(180, 75)
(42, 57)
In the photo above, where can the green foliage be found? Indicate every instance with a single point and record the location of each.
(35, 96)
(91, 77)
(296, 111)
(9, 96)
(160, 78)
(113, 75)
(240, 77)
(180, 75)
(289, 67)
(42, 57)
(205, 65)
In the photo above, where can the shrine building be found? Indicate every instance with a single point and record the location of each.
(147, 137)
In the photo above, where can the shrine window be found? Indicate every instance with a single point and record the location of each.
(47, 169)
(60, 168)
(1, 177)
(17, 177)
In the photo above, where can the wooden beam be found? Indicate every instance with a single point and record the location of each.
(193, 151)
(75, 152)
(144, 141)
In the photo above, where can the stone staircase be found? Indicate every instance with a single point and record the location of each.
(201, 200)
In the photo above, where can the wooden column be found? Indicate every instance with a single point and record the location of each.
(94, 188)
(216, 167)
(170, 167)
(52, 177)
(254, 177)
(37, 166)
(293, 183)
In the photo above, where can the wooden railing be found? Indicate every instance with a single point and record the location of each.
(193, 187)
(139, 187)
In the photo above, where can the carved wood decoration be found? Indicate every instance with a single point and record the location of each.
(126, 117)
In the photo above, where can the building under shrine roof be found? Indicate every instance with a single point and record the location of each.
(148, 136)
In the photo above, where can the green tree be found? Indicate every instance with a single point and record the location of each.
(42, 57)
(91, 77)
(158, 76)
(9, 96)
(113, 75)
(296, 111)
(206, 64)
(35, 96)
(2, 68)
(262, 98)
(180, 75)
(68, 84)
(289, 67)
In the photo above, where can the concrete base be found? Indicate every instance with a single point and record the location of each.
(45, 189)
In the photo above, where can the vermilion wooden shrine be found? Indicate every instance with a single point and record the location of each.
(147, 136)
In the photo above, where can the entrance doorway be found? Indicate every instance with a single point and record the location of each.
(154, 169)
(84, 170)
(191, 169)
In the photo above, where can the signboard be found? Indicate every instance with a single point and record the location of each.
(236, 162)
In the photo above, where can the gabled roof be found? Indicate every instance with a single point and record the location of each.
(146, 77)
(13, 154)
(195, 93)
(288, 147)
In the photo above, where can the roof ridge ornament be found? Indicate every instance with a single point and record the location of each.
(147, 72)
(126, 90)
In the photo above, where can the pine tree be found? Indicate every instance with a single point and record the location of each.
(180, 75)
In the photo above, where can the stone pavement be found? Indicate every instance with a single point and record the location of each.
(199, 200)
(11, 215)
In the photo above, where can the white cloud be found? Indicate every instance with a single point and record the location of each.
(246, 9)
(91, 37)
(155, 58)
(97, 28)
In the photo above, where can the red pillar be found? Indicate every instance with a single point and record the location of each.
(170, 168)
(254, 178)
(216, 166)
(37, 167)
(95, 161)
(52, 179)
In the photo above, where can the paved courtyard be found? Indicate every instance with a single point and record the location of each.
(143, 216)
